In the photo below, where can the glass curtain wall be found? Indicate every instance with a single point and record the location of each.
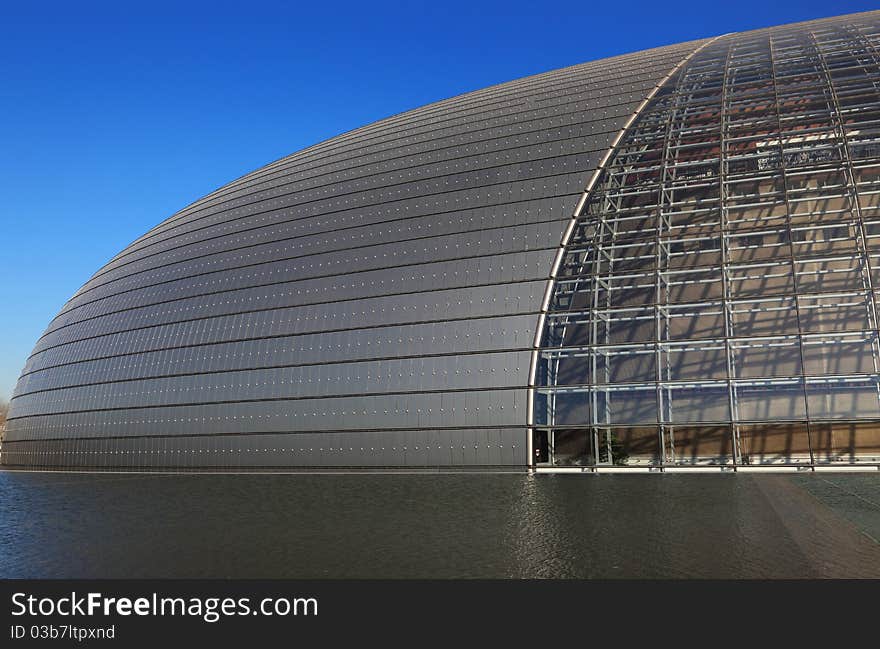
(716, 301)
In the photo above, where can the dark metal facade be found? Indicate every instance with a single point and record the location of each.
(417, 293)
(369, 301)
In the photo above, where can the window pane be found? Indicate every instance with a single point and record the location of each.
(629, 445)
(625, 364)
(846, 442)
(774, 444)
(839, 312)
(691, 322)
(572, 447)
(852, 354)
(767, 357)
(765, 317)
(626, 405)
(696, 403)
(843, 398)
(569, 407)
(682, 362)
(698, 445)
(761, 280)
(770, 400)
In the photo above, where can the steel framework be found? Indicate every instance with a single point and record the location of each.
(715, 303)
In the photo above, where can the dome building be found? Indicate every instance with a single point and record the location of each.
(663, 259)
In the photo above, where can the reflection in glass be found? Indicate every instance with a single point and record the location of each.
(716, 303)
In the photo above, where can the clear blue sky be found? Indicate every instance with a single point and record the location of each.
(115, 115)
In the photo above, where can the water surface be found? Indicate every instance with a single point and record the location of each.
(57, 525)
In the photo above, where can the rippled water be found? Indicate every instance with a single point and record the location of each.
(454, 525)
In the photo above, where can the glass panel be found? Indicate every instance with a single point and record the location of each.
(843, 398)
(760, 212)
(569, 407)
(695, 286)
(761, 280)
(827, 275)
(571, 367)
(626, 405)
(846, 442)
(774, 444)
(628, 290)
(696, 403)
(692, 253)
(836, 312)
(770, 400)
(629, 445)
(691, 321)
(765, 317)
(845, 354)
(682, 362)
(758, 246)
(571, 447)
(762, 357)
(828, 239)
(625, 364)
(698, 445)
(623, 326)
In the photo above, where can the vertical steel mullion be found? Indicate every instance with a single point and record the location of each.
(725, 261)
(609, 235)
(674, 108)
(782, 162)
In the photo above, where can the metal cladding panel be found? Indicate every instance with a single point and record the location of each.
(358, 448)
(520, 262)
(273, 261)
(433, 306)
(430, 339)
(403, 375)
(369, 301)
